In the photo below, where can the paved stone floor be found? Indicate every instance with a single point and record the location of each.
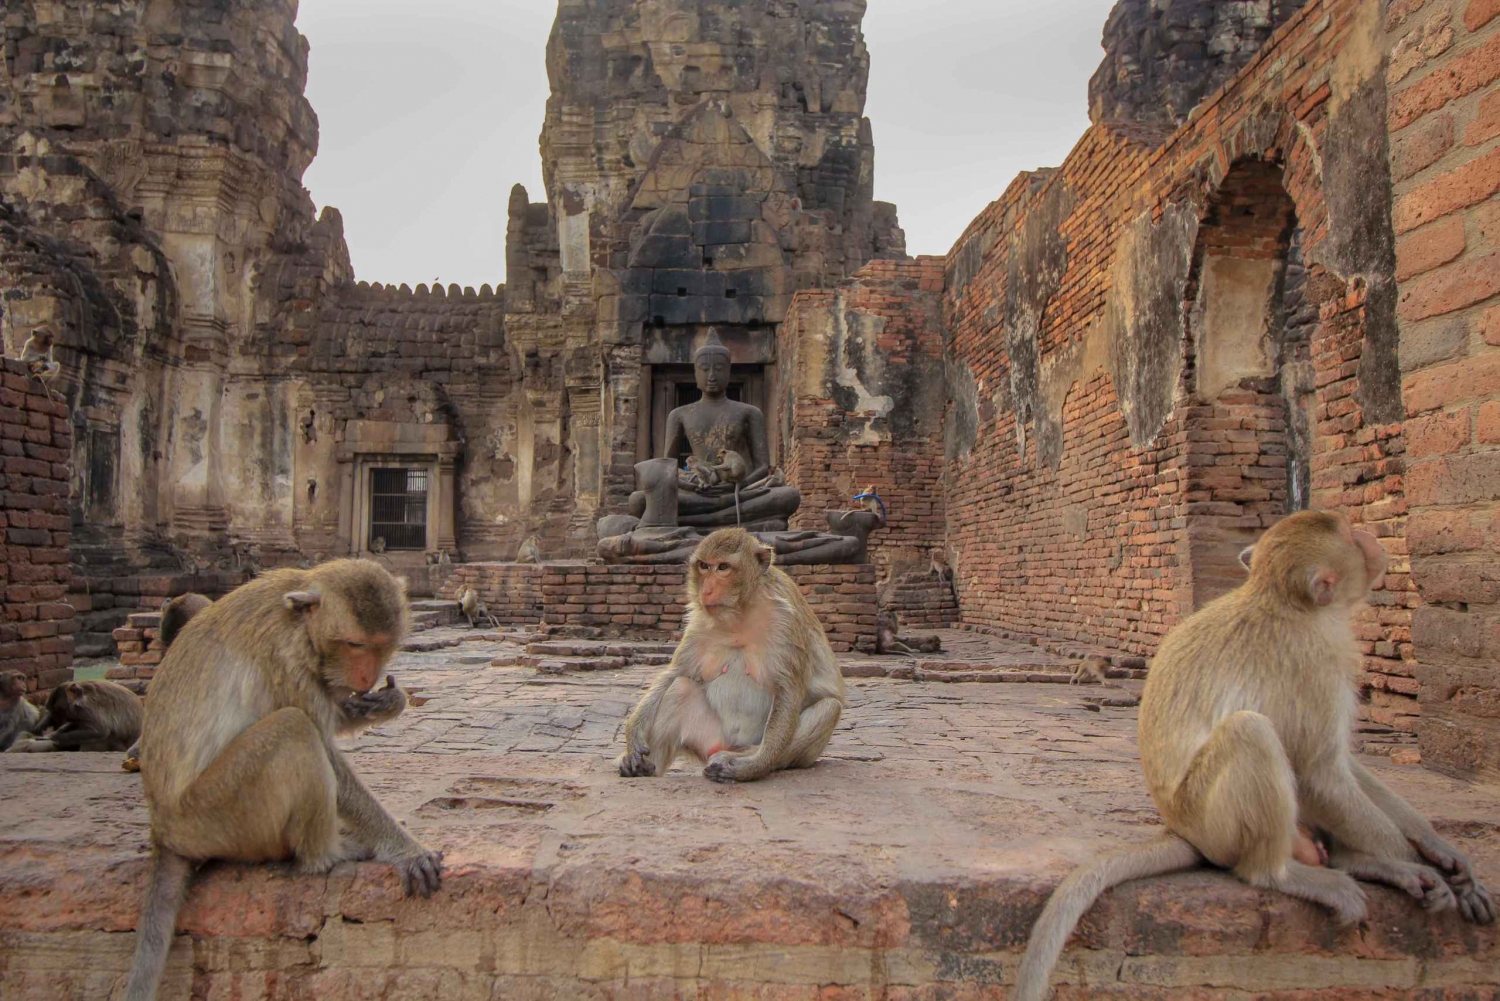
(909, 863)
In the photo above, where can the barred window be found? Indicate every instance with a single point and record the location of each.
(398, 508)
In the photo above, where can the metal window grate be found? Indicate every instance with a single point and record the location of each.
(398, 508)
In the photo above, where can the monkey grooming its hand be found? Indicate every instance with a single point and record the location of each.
(86, 716)
(238, 755)
(17, 716)
(1245, 727)
(753, 687)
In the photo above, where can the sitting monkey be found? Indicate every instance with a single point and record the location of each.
(753, 687)
(530, 551)
(17, 716)
(474, 609)
(888, 638)
(36, 353)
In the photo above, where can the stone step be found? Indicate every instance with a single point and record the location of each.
(568, 665)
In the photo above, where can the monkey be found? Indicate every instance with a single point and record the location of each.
(86, 716)
(176, 613)
(887, 637)
(238, 757)
(732, 469)
(775, 478)
(530, 551)
(378, 546)
(1092, 671)
(36, 353)
(439, 558)
(1244, 735)
(753, 686)
(17, 716)
(474, 610)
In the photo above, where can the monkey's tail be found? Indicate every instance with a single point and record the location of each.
(165, 890)
(737, 519)
(1076, 894)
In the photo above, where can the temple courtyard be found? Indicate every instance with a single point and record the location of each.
(909, 863)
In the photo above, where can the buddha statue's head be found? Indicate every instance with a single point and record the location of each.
(711, 366)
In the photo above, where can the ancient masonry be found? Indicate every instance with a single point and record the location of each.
(1264, 280)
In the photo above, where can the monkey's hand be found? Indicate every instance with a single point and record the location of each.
(636, 763)
(372, 708)
(1474, 901)
(421, 871)
(726, 766)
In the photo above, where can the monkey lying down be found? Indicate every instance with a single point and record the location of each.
(753, 687)
(1244, 739)
(238, 759)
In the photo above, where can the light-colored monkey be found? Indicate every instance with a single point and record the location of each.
(474, 609)
(732, 469)
(530, 551)
(753, 687)
(238, 755)
(700, 474)
(1245, 732)
(36, 353)
(17, 716)
(85, 716)
(888, 637)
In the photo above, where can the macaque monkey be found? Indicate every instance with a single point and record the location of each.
(733, 469)
(238, 755)
(176, 613)
(888, 638)
(36, 353)
(1093, 671)
(17, 716)
(700, 474)
(753, 687)
(378, 546)
(86, 716)
(775, 478)
(530, 551)
(473, 608)
(1245, 735)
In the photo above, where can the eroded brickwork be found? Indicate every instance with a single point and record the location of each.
(36, 633)
(1445, 121)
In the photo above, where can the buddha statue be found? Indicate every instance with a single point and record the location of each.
(704, 431)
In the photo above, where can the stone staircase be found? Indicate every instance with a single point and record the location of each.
(567, 657)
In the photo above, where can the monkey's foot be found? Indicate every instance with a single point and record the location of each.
(348, 850)
(725, 767)
(1474, 901)
(636, 764)
(420, 873)
(1420, 882)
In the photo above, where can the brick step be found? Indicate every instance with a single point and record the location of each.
(568, 665)
(586, 649)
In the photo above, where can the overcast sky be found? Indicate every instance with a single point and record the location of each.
(430, 113)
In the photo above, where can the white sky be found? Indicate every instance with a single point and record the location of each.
(429, 118)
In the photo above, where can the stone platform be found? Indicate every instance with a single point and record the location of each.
(909, 864)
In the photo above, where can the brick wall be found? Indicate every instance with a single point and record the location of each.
(36, 634)
(1445, 160)
(511, 591)
(860, 372)
(645, 602)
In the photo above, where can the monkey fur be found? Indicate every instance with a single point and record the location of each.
(888, 638)
(86, 716)
(700, 474)
(238, 755)
(176, 613)
(530, 551)
(1244, 735)
(733, 469)
(1094, 671)
(36, 354)
(474, 609)
(753, 687)
(17, 716)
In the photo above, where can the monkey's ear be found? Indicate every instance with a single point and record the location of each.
(1245, 555)
(302, 601)
(764, 555)
(1321, 585)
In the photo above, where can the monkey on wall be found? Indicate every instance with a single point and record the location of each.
(474, 609)
(753, 687)
(1245, 726)
(17, 716)
(238, 757)
(36, 353)
(85, 716)
(530, 551)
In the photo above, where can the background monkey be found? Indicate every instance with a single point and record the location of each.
(733, 469)
(238, 757)
(530, 551)
(753, 687)
(1244, 733)
(17, 716)
(473, 608)
(176, 613)
(1094, 671)
(86, 716)
(888, 637)
(36, 353)
(700, 474)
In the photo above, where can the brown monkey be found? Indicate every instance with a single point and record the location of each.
(530, 551)
(36, 353)
(378, 546)
(888, 638)
(238, 757)
(753, 687)
(474, 609)
(1093, 671)
(1244, 731)
(17, 716)
(732, 469)
(176, 613)
(86, 716)
(700, 474)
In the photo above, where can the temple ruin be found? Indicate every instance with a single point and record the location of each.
(1266, 279)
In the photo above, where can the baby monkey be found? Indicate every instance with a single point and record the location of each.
(753, 687)
(1245, 727)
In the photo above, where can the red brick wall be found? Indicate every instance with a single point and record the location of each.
(1445, 160)
(833, 450)
(36, 634)
(1094, 491)
(511, 591)
(645, 602)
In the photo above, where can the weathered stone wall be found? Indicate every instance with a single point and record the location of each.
(1445, 122)
(861, 401)
(646, 602)
(36, 634)
(511, 591)
(1139, 384)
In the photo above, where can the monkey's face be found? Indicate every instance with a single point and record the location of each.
(12, 687)
(359, 659)
(727, 570)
